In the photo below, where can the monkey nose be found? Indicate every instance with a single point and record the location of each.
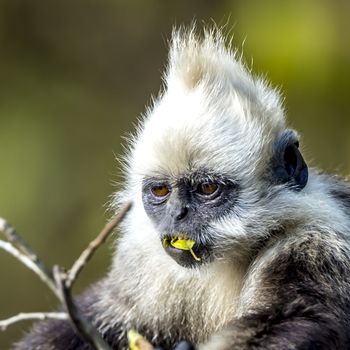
(181, 213)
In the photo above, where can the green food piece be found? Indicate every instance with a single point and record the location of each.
(183, 244)
(134, 338)
(165, 242)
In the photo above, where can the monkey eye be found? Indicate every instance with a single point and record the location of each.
(160, 191)
(207, 188)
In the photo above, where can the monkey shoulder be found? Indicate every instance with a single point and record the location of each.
(52, 335)
(298, 291)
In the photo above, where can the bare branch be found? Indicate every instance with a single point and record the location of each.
(60, 282)
(12, 236)
(32, 316)
(82, 326)
(93, 245)
(25, 260)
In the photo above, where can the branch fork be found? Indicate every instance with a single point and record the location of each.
(59, 280)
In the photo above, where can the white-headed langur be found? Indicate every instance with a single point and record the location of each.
(232, 243)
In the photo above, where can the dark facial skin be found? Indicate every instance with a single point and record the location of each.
(185, 206)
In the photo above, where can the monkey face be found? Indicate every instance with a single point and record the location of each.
(183, 208)
(197, 214)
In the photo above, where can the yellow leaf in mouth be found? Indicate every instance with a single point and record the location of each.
(183, 244)
(165, 242)
(134, 338)
(137, 341)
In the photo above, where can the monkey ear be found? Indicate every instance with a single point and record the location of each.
(287, 163)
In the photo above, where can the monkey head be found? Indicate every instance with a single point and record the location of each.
(212, 158)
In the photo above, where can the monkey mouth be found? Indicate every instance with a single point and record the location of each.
(186, 252)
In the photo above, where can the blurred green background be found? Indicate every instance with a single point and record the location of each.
(75, 75)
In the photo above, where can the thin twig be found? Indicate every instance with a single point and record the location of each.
(25, 260)
(82, 326)
(60, 282)
(12, 235)
(25, 316)
(93, 245)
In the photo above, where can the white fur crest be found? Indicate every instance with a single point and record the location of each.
(211, 107)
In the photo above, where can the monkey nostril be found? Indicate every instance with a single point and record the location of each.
(182, 213)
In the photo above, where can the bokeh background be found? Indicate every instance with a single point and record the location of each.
(75, 75)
